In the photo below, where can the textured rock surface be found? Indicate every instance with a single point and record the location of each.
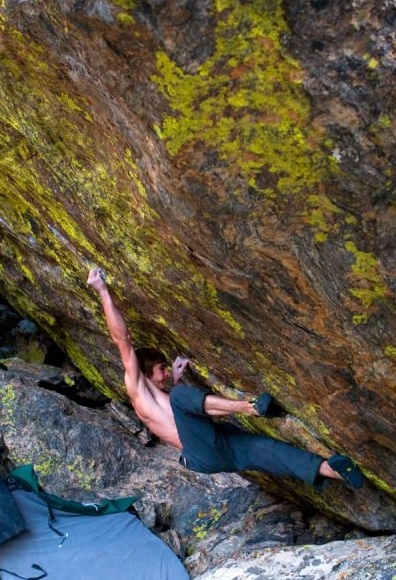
(88, 454)
(221, 526)
(214, 523)
(232, 169)
(354, 560)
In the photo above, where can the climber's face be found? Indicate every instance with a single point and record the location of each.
(160, 375)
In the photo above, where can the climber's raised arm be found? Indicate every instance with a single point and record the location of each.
(116, 324)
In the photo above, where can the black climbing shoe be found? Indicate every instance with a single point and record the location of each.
(347, 469)
(266, 406)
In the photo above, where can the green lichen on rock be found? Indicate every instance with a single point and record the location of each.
(321, 217)
(55, 183)
(380, 483)
(310, 414)
(370, 287)
(41, 148)
(390, 351)
(125, 4)
(90, 372)
(7, 408)
(82, 473)
(247, 101)
(44, 463)
(213, 302)
(20, 454)
(207, 520)
(275, 379)
(125, 18)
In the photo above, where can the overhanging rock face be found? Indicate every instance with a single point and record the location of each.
(232, 170)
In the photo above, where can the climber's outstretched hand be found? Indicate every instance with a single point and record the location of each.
(178, 367)
(97, 279)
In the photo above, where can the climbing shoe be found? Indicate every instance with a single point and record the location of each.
(266, 406)
(347, 469)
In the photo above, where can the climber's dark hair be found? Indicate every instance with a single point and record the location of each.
(148, 357)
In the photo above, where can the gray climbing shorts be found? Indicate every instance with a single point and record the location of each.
(215, 446)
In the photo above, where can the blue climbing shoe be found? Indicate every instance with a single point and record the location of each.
(347, 469)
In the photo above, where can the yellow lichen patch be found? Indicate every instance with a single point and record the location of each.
(81, 472)
(321, 217)
(213, 302)
(380, 483)
(350, 219)
(2, 15)
(260, 426)
(390, 351)
(125, 4)
(310, 414)
(206, 520)
(45, 464)
(73, 106)
(203, 371)
(89, 371)
(360, 319)
(371, 62)
(179, 340)
(134, 174)
(369, 288)
(246, 100)
(7, 408)
(383, 122)
(275, 380)
(125, 17)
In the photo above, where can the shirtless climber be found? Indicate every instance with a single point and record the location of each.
(183, 418)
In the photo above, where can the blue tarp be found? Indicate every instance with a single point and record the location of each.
(96, 548)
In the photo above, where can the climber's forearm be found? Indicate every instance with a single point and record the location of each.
(115, 322)
(219, 406)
